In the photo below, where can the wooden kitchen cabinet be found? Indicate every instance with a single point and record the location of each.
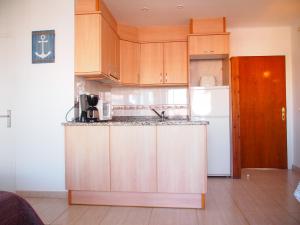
(163, 63)
(181, 167)
(137, 165)
(175, 63)
(110, 50)
(86, 5)
(208, 45)
(87, 44)
(133, 158)
(97, 46)
(151, 66)
(129, 62)
(87, 158)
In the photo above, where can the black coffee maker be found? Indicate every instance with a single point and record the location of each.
(92, 111)
(89, 111)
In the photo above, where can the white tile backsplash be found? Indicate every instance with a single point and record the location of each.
(180, 96)
(149, 96)
(145, 98)
(138, 101)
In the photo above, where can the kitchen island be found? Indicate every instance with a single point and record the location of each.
(137, 163)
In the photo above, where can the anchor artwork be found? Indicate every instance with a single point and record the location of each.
(43, 46)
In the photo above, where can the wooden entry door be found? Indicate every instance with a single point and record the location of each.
(259, 112)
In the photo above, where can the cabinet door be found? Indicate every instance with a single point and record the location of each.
(175, 62)
(209, 44)
(133, 158)
(151, 70)
(130, 62)
(110, 50)
(114, 51)
(87, 43)
(181, 159)
(116, 63)
(107, 48)
(87, 158)
(85, 6)
(220, 44)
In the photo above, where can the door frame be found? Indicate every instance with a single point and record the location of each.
(235, 120)
(235, 117)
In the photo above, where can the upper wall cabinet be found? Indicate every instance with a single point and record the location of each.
(87, 43)
(175, 62)
(209, 46)
(97, 46)
(152, 56)
(207, 26)
(87, 5)
(110, 50)
(163, 63)
(129, 62)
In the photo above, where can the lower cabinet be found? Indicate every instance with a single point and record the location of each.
(181, 159)
(133, 158)
(87, 158)
(136, 165)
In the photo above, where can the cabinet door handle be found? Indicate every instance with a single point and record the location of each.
(161, 78)
(166, 78)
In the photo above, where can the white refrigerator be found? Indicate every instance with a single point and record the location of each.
(212, 104)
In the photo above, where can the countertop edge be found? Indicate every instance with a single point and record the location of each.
(138, 123)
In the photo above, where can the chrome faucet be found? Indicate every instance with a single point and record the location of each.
(162, 116)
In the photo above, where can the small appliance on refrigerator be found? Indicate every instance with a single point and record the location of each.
(212, 104)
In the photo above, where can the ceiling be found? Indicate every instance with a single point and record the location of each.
(238, 12)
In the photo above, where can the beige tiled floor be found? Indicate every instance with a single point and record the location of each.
(265, 197)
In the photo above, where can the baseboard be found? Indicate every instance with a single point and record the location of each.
(296, 168)
(139, 199)
(43, 194)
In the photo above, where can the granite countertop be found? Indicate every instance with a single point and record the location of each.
(139, 121)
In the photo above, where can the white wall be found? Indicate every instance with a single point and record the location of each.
(261, 41)
(43, 92)
(296, 82)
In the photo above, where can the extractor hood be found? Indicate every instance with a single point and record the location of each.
(102, 78)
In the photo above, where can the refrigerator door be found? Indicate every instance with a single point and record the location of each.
(218, 142)
(212, 104)
(209, 102)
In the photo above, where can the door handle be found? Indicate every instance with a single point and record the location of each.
(8, 117)
(283, 113)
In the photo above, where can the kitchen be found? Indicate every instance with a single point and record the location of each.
(163, 78)
(136, 98)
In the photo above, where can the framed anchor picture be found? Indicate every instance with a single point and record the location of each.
(43, 46)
